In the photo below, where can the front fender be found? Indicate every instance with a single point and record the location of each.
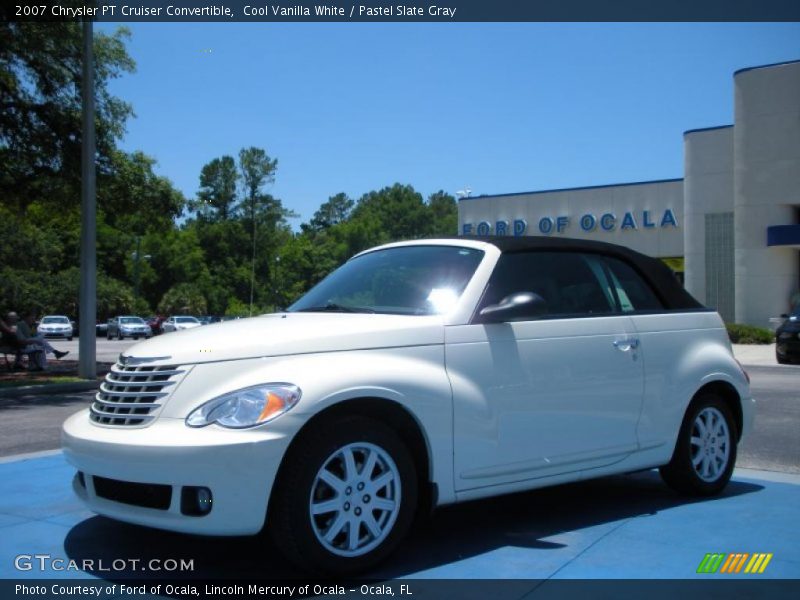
(413, 377)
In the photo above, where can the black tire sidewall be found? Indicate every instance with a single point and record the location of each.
(289, 521)
(680, 471)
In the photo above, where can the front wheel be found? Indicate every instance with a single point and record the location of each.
(705, 453)
(346, 497)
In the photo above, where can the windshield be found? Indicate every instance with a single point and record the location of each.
(55, 320)
(131, 321)
(408, 280)
(186, 320)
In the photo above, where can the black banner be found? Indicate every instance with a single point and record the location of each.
(405, 10)
(409, 589)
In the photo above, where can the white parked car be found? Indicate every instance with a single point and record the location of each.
(56, 326)
(418, 374)
(179, 323)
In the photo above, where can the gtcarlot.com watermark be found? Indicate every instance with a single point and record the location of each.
(48, 562)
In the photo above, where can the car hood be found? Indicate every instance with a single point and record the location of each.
(289, 333)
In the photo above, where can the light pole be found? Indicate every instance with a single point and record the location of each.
(136, 255)
(253, 261)
(87, 351)
(275, 284)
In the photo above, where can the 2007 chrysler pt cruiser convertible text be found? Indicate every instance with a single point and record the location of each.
(418, 374)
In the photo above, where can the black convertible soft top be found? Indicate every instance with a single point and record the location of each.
(654, 271)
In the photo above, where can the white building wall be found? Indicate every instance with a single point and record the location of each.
(707, 188)
(654, 197)
(766, 188)
(751, 170)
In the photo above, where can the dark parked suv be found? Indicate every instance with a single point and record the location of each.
(787, 339)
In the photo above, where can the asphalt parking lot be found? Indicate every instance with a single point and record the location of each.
(626, 527)
(106, 350)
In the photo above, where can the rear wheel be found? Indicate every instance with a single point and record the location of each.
(705, 453)
(781, 360)
(346, 497)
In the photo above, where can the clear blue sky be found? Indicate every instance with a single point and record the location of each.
(496, 107)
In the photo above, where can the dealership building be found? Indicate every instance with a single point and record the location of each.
(730, 228)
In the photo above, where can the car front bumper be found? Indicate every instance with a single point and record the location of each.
(56, 334)
(136, 333)
(788, 349)
(238, 466)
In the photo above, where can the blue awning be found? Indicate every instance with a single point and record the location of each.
(783, 235)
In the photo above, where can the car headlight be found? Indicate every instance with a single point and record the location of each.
(246, 407)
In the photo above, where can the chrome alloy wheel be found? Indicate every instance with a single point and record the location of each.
(711, 442)
(355, 499)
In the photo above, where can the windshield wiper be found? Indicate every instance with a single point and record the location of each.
(333, 307)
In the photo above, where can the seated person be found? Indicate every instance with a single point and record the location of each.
(10, 344)
(30, 343)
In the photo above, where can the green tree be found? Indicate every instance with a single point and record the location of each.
(332, 212)
(399, 209)
(133, 198)
(218, 188)
(183, 299)
(40, 109)
(257, 170)
(443, 210)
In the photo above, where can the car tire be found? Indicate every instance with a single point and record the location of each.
(323, 494)
(705, 452)
(781, 360)
(69, 339)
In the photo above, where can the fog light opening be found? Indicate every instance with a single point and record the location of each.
(196, 501)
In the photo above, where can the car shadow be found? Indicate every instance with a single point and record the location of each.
(451, 534)
(39, 400)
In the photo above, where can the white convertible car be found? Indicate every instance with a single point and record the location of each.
(418, 374)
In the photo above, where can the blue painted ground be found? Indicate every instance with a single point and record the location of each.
(619, 527)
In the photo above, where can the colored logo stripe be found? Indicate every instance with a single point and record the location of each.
(734, 562)
(711, 563)
(758, 563)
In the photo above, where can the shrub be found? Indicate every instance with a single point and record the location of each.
(747, 334)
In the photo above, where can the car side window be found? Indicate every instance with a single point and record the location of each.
(634, 293)
(567, 282)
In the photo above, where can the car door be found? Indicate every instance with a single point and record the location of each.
(548, 393)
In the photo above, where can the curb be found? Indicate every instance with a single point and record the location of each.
(50, 388)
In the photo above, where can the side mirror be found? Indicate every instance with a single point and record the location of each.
(514, 306)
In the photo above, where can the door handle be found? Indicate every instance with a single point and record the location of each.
(626, 344)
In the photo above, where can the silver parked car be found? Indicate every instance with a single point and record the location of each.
(56, 326)
(122, 327)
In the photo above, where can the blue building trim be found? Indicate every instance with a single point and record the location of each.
(783, 235)
(778, 64)
(701, 129)
(575, 189)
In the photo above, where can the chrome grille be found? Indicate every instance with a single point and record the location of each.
(132, 395)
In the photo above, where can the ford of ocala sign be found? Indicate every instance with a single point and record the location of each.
(588, 223)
